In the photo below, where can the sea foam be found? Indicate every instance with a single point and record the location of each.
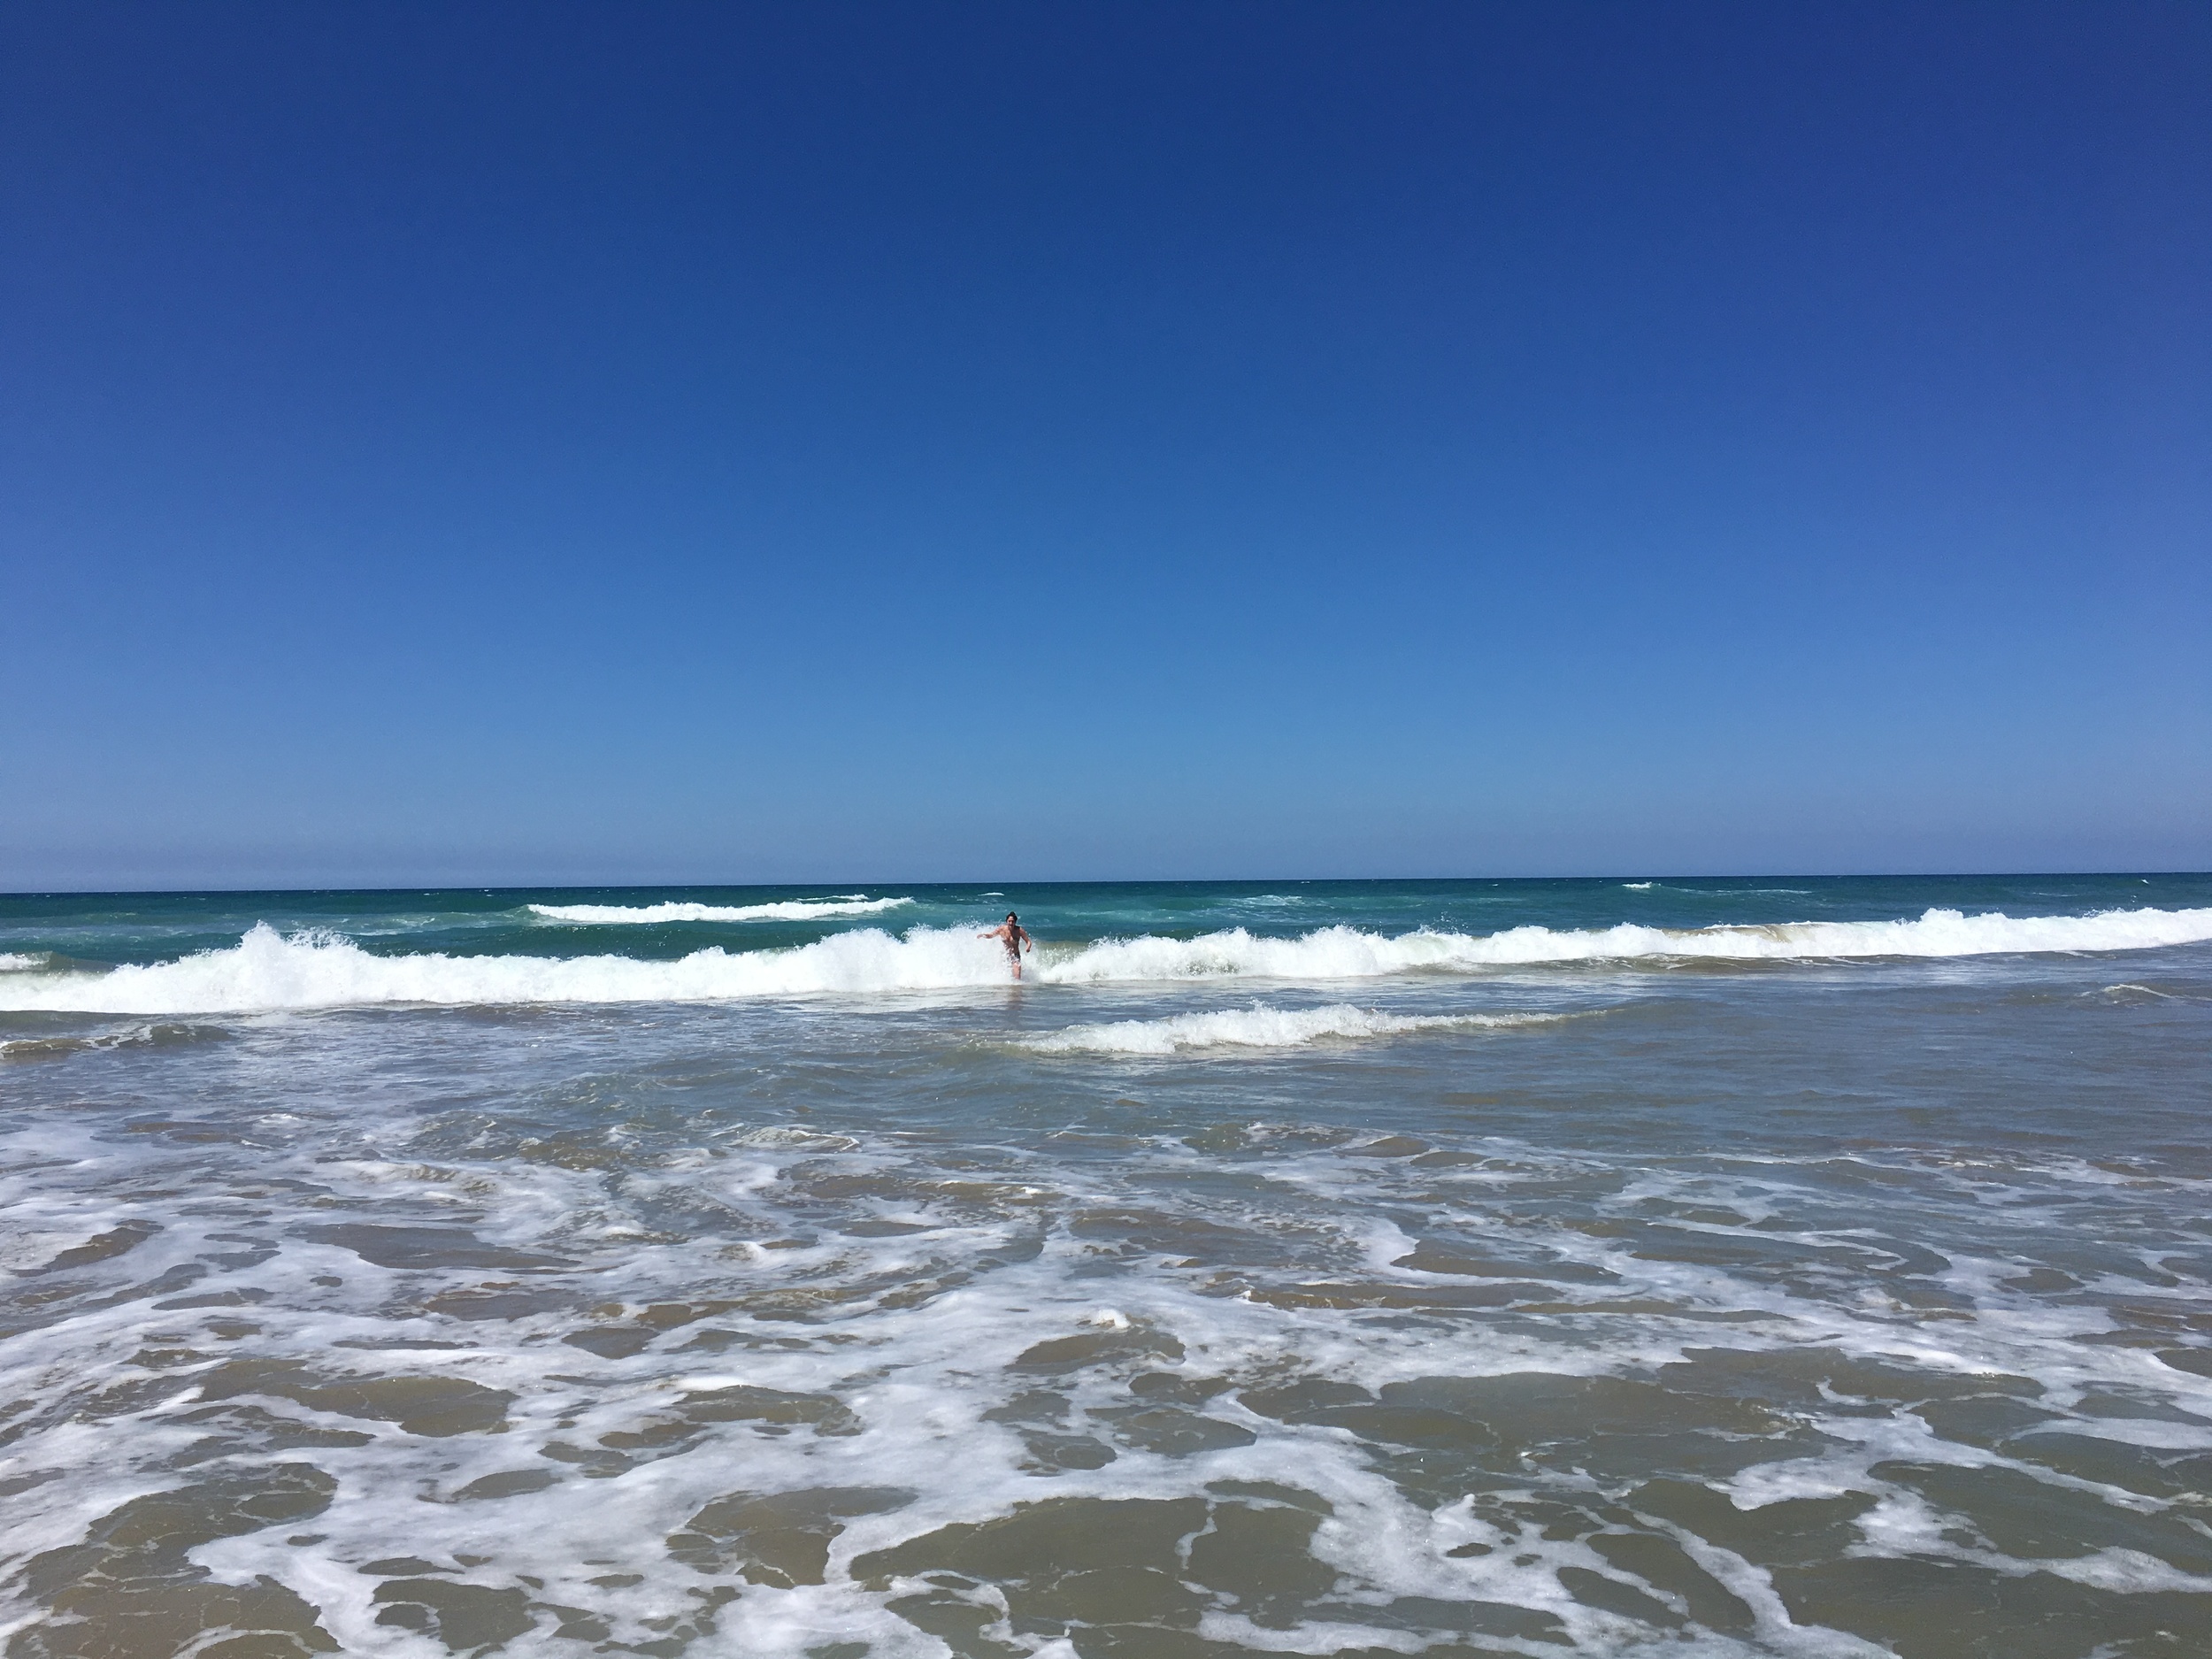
(1259, 1027)
(267, 971)
(780, 910)
(1342, 952)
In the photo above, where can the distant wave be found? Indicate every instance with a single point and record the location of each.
(1259, 1027)
(265, 969)
(781, 910)
(1720, 892)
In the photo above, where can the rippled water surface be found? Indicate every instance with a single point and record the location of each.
(1319, 1292)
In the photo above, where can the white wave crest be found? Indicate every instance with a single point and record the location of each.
(16, 961)
(780, 910)
(1347, 953)
(265, 970)
(1259, 1027)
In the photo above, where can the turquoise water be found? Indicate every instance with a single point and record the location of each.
(157, 926)
(1779, 1266)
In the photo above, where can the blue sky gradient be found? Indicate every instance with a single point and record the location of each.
(492, 443)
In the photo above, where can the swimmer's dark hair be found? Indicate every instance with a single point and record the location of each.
(1012, 917)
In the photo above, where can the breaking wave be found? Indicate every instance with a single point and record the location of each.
(1349, 953)
(780, 910)
(16, 961)
(1259, 1027)
(265, 969)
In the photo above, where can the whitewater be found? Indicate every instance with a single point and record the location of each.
(1261, 1027)
(776, 910)
(268, 971)
(1645, 1264)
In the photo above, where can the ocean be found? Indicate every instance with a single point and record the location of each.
(1693, 1267)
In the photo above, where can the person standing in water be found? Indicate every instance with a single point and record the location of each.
(1015, 937)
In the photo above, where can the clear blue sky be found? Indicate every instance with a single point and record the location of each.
(484, 442)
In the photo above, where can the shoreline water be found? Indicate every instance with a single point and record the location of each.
(1788, 1302)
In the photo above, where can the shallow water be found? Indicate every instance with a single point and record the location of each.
(1210, 1292)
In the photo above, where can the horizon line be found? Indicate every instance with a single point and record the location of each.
(1070, 881)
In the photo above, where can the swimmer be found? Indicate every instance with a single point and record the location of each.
(1015, 937)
